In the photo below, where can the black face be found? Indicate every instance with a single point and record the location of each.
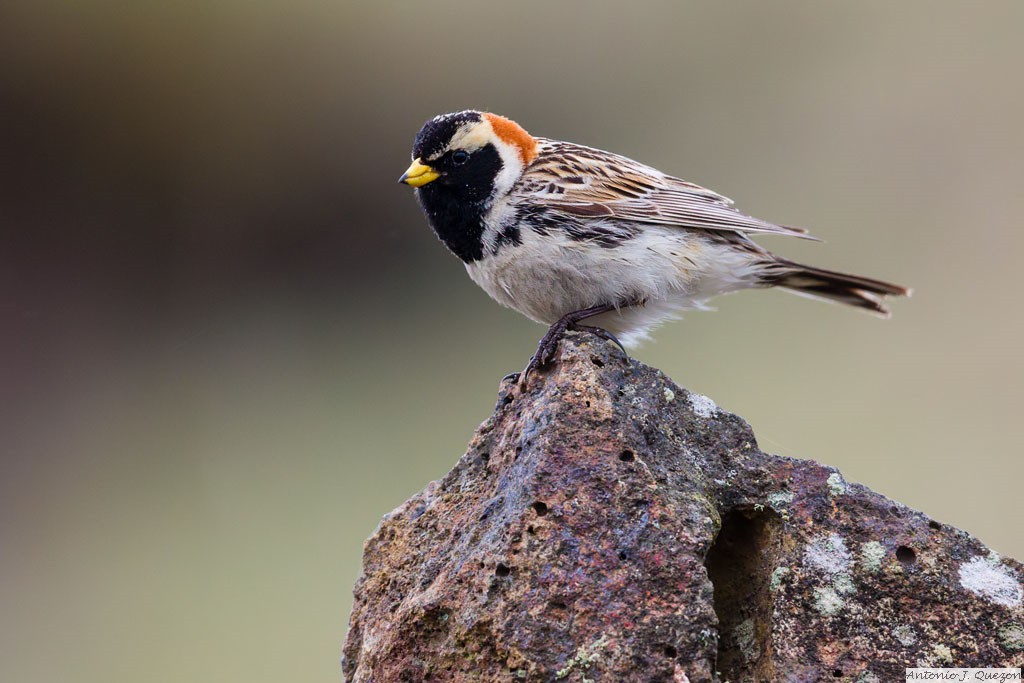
(455, 203)
(467, 174)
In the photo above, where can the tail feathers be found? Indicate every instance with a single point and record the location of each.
(829, 285)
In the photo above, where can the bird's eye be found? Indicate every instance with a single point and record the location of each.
(460, 157)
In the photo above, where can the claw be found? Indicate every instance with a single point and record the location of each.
(546, 350)
(604, 334)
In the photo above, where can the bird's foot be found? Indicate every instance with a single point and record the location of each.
(548, 345)
(546, 350)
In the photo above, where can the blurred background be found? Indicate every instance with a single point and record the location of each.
(230, 343)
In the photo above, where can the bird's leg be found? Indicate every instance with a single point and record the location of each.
(549, 342)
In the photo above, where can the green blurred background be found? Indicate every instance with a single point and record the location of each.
(230, 342)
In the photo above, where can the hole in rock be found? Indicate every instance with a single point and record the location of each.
(906, 555)
(626, 456)
(540, 508)
(670, 651)
(935, 525)
(502, 569)
(740, 565)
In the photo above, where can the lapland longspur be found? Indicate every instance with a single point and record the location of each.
(564, 233)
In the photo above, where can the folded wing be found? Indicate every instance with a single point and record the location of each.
(584, 182)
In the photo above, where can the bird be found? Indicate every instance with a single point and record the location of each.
(567, 234)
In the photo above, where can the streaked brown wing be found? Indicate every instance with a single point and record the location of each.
(581, 181)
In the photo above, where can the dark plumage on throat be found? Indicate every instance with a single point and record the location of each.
(456, 202)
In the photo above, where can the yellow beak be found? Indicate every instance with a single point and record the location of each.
(419, 174)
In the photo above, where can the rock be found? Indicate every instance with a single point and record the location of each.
(610, 526)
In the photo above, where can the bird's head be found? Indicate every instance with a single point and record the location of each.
(475, 155)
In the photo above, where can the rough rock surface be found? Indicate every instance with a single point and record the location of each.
(610, 526)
